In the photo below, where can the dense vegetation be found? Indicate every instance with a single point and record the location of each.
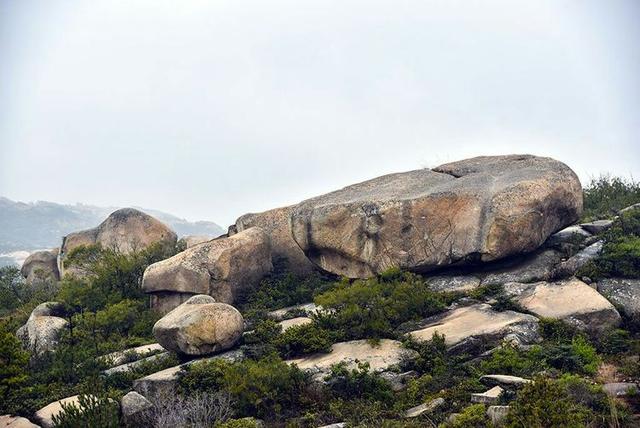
(606, 195)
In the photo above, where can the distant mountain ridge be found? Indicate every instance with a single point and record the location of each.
(36, 225)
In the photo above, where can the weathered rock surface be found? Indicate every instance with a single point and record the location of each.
(42, 330)
(294, 322)
(537, 266)
(570, 300)
(134, 408)
(133, 354)
(597, 226)
(423, 408)
(504, 381)
(572, 234)
(193, 240)
(43, 263)
(284, 250)
(488, 397)
(9, 421)
(620, 389)
(381, 356)
(479, 209)
(221, 268)
(163, 383)
(284, 313)
(199, 326)
(125, 230)
(452, 283)
(624, 293)
(45, 415)
(497, 414)
(125, 367)
(573, 264)
(463, 326)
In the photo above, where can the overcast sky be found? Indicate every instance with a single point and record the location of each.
(210, 109)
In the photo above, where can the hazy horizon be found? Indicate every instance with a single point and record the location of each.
(209, 110)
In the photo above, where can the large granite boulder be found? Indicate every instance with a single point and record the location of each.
(43, 264)
(479, 209)
(220, 268)
(42, 330)
(10, 421)
(199, 326)
(284, 250)
(570, 300)
(125, 230)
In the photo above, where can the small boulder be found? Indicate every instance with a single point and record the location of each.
(569, 235)
(307, 309)
(421, 409)
(480, 209)
(569, 300)
(597, 226)
(576, 262)
(294, 322)
(200, 326)
(504, 381)
(42, 330)
(497, 414)
(43, 264)
(624, 293)
(135, 408)
(221, 268)
(450, 283)
(620, 389)
(537, 266)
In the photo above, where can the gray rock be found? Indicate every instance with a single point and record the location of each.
(449, 283)
(624, 293)
(620, 389)
(135, 408)
(43, 329)
(134, 364)
(45, 415)
(569, 235)
(429, 407)
(570, 300)
(129, 355)
(479, 209)
(488, 397)
(573, 264)
(504, 381)
(598, 226)
(630, 208)
(221, 268)
(497, 414)
(193, 240)
(294, 322)
(538, 266)
(399, 381)
(198, 328)
(284, 313)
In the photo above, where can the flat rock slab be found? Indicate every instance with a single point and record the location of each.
(488, 397)
(306, 308)
(497, 414)
(624, 293)
(576, 262)
(478, 209)
(9, 421)
(381, 356)
(570, 300)
(132, 354)
(478, 321)
(568, 235)
(45, 415)
(429, 407)
(132, 365)
(597, 226)
(294, 322)
(504, 380)
(537, 266)
(453, 283)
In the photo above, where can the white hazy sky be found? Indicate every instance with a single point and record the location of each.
(210, 109)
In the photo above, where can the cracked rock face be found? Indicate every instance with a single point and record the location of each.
(479, 209)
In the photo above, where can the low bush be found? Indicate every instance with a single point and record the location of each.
(358, 383)
(91, 411)
(304, 339)
(606, 195)
(474, 416)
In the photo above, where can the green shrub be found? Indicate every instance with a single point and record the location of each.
(90, 412)
(474, 416)
(546, 403)
(605, 196)
(373, 308)
(239, 423)
(264, 389)
(510, 360)
(579, 356)
(13, 372)
(304, 339)
(358, 383)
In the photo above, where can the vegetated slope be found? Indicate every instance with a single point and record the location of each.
(30, 226)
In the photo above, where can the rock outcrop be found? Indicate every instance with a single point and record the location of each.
(41, 263)
(464, 327)
(125, 230)
(200, 326)
(276, 223)
(193, 240)
(221, 268)
(9, 421)
(624, 293)
(135, 409)
(479, 209)
(570, 300)
(43, 328)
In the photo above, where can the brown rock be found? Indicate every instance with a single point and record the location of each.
(220, 268)
(43, 263)
(480, 209)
